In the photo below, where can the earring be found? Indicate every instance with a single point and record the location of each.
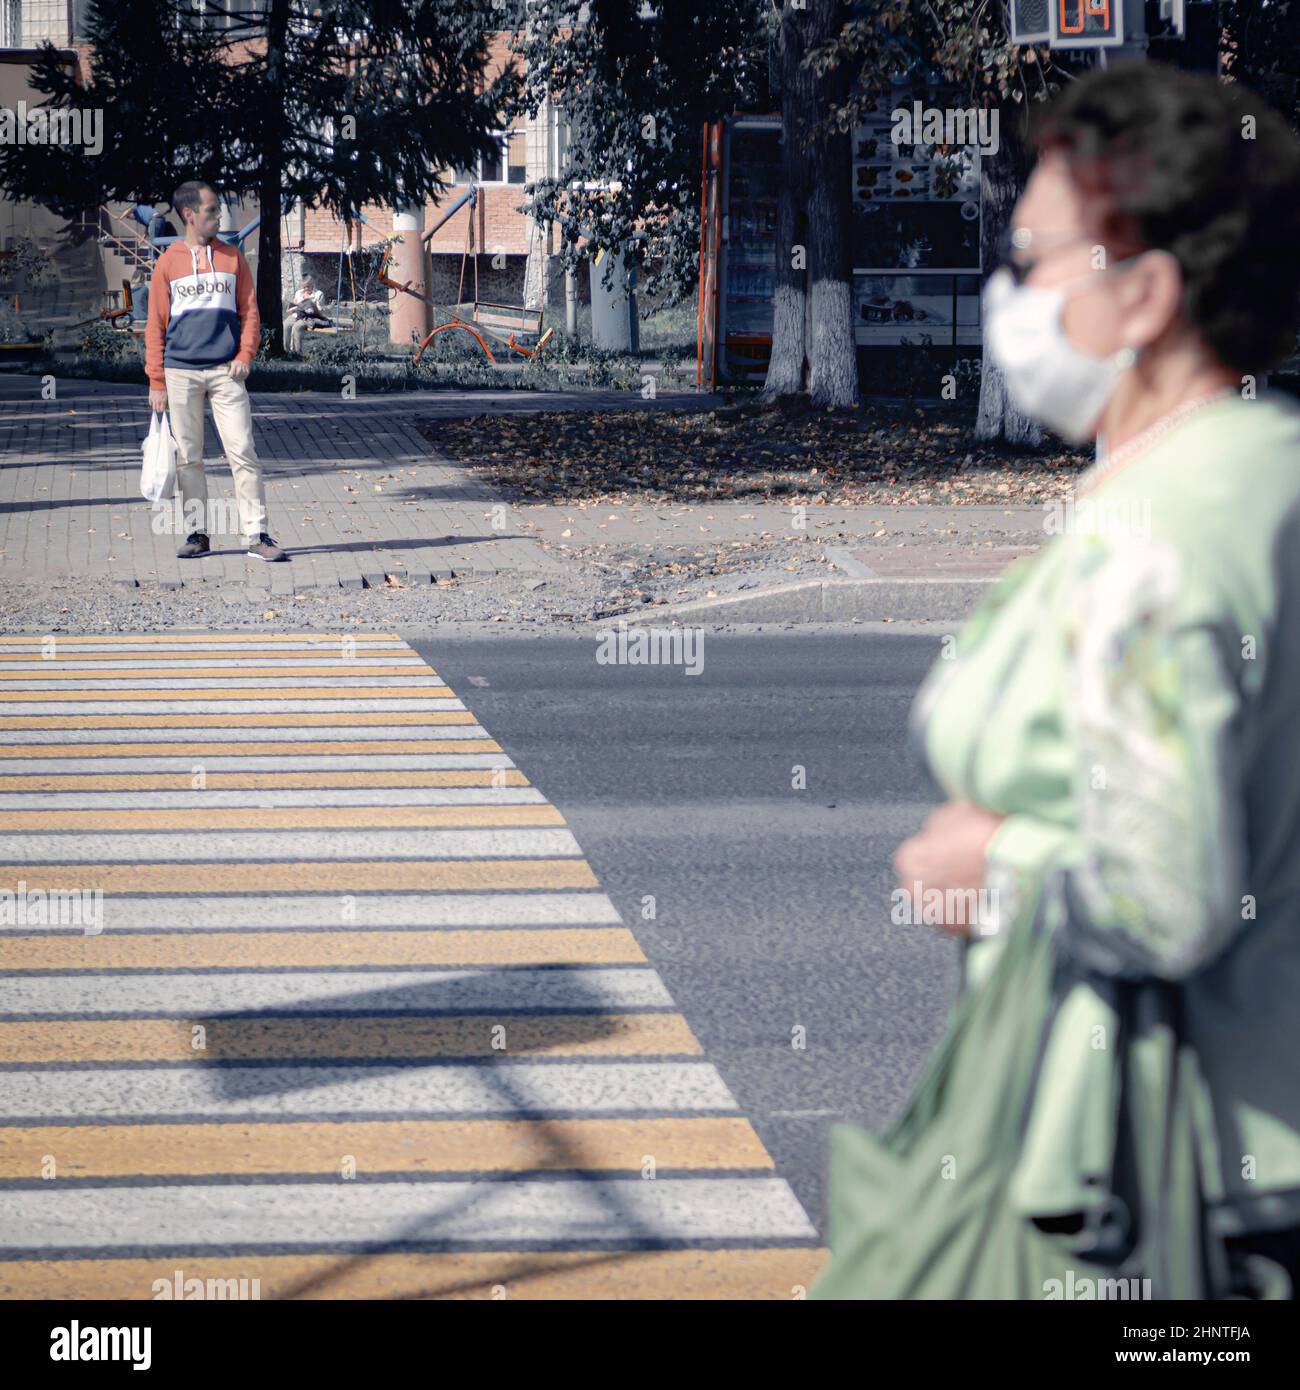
(1125, 358)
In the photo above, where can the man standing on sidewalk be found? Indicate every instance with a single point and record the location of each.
(202, 336)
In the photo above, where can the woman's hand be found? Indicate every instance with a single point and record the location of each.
(948, 853)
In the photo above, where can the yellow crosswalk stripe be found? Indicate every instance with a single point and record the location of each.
(227, 1039)
(394, 1146)
(286, 818)
(251, 719)
(252, 692)
(249, 749)
(75, 673)
(543, 1274)
(252, 950)
(167, 781)
(342, 876)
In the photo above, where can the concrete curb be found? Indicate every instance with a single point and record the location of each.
(840, 600)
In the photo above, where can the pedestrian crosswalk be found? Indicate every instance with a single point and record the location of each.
(304, 984)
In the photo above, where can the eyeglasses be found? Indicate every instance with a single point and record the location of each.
(1020, 239)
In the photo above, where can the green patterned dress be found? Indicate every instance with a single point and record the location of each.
(1129, 698)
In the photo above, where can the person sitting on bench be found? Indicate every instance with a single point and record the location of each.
(307, 307)
(140, 297)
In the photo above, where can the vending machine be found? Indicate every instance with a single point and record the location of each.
(914, 230)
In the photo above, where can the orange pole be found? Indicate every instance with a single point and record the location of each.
(704, 203)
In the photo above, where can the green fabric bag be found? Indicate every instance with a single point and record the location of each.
(941, 1206)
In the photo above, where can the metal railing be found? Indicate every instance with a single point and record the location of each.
(131, 245)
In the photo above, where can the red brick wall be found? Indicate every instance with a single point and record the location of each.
(496, 224)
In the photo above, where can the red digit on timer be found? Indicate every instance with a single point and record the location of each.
(1097, 9)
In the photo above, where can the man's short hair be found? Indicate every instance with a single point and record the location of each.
(307, 280)
(189, 195)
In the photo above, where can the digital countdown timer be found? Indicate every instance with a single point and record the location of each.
(1069, 23)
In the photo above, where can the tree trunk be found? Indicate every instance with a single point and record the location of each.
(832, 350)
(785, 371)
(270, 304)
(1003, 178)
(812, 320)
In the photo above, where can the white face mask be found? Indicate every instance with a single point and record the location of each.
(1047, 376)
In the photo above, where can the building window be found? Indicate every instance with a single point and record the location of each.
(243, 16)
(507, 165)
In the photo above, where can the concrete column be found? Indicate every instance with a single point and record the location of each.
(407, 316)
(537, 165)
(613, 310)
(571, 303)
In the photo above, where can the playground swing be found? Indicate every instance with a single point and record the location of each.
(335, 325)
(480, 319)
(346, 253)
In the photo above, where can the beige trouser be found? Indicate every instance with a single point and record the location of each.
(294, 328)
(188, 388)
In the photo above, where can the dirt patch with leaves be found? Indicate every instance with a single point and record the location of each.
(870, 455)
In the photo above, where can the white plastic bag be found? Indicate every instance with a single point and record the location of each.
(158, 476)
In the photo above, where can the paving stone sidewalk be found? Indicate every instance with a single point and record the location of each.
(354, 492)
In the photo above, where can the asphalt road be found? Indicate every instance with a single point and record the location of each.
(770, 903)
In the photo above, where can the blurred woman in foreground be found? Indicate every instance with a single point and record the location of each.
(1117, 735)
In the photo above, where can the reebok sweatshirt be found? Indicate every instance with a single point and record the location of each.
(202, 310)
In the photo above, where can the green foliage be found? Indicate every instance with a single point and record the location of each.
(25, 262)
(182, 99)
(344, 350)
(958, 42)
(636, 93)
(1261, 47)
(102, 342)
(14, 328)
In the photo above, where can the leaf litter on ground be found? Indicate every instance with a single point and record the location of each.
(869, 456)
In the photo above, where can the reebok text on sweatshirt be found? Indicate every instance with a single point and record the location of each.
(202, 310)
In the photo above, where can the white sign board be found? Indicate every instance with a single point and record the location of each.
(1030, 21)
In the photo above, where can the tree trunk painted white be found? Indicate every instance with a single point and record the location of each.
(833, 377)
(812, 330)
(832, 349)
(1003, 178)
(786, 371)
